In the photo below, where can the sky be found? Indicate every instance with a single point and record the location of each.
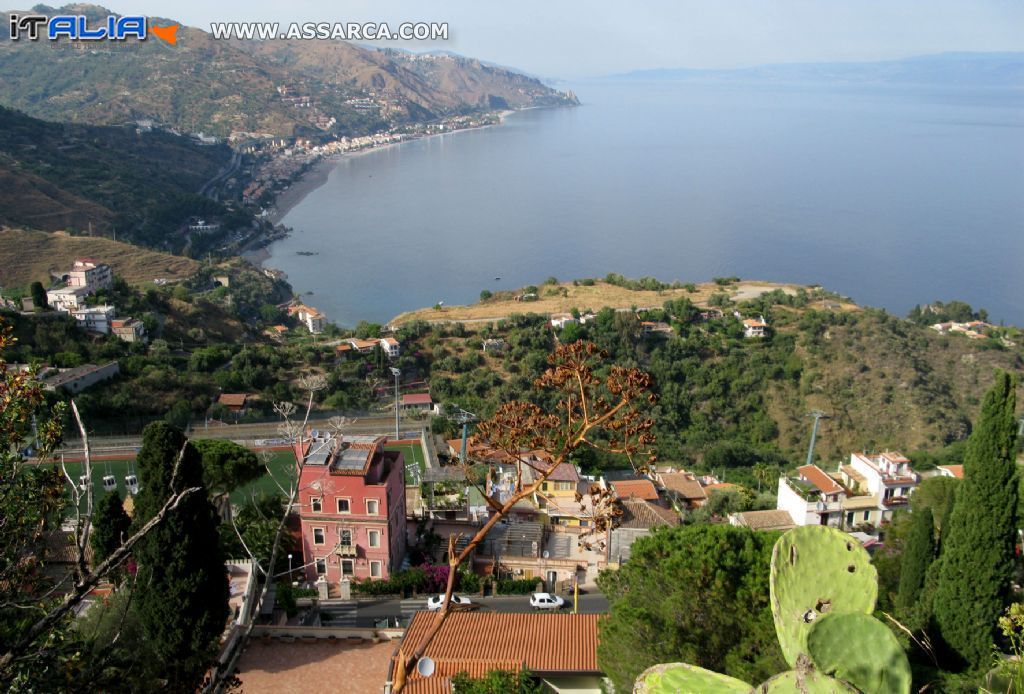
(582, 38)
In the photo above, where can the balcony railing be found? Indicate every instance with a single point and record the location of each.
(346, 550)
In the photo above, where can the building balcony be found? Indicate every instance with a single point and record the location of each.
(346, 550)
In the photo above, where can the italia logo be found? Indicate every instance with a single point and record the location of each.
(75, 27)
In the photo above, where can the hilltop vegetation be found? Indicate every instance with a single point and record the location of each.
(730, 402)
(29, 256)
(220, 86)
(77, 177)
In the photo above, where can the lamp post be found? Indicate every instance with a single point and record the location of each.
(396, 373)
(290, 577)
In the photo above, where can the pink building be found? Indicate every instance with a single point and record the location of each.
(351, 507)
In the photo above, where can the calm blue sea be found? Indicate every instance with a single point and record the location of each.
(893, 196)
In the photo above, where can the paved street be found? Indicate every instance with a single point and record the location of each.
(364, 613)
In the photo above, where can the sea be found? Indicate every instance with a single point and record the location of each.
(891, 195)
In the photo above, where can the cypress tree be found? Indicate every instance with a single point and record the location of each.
(978, 543)
(917, 557)
(110, 527)
(182, 586)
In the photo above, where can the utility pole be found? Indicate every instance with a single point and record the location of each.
(396, 373)
(464, 418)
(818, 416)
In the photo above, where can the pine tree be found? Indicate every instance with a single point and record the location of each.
(182, 587)
(917, 557)
(110, 527)
(978, 545)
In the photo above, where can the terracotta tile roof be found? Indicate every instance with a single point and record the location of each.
(816, 476)
(566, 472)
(641, 489)
(955, 470)
(417, 399)
(232, 399)
(479, 641)
(766, 520)
(640, 514)
(720, 486)
(683, 484)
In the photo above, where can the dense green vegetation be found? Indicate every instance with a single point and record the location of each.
(143, 186)
(978, 561)
(697, 594)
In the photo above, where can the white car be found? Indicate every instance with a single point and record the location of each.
(434, 602)
(546, 601)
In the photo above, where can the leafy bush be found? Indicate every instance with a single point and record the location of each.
(517, 586)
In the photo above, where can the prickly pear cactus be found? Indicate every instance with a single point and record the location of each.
(859, 649)
(803, 682)
(673, 678)
(817, 570)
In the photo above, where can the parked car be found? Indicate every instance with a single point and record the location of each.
(546, 601)
(434, 602)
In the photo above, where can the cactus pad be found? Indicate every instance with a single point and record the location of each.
(817, 570)
(860, 650)
(671, 678)
(803, 682)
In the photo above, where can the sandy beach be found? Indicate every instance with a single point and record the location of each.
(303, 186)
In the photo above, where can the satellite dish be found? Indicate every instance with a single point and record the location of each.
(425, 666)
(546, 554)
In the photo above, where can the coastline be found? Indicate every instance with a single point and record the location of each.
(319, 172)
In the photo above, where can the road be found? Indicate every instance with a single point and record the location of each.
(244, 434)
(363, 613)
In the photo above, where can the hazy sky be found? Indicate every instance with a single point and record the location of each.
(574, 38)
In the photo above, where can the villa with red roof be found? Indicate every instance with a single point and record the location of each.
(811, 497)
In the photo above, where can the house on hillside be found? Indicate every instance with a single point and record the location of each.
(558, 649)
(683, 489)
(97, 319)
(234, 402)
(417, 402)
(128, 329)
(956, 471)
(811, 497)
(886, 479)
(351, 507)
(762, 520)
(310, 317)
(390, 346)
(81, 377)
(560, 320)
(635, 489)
(91, 275)
(638, 519)
(67, 299)
(754, 327)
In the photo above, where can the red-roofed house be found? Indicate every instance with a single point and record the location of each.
(235, 402)
(559, 649)
(635, 489)
(956, 471)
(811, 497)
(417, 401)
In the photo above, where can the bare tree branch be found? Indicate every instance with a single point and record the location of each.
(89, 581)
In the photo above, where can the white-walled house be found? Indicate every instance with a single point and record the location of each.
(67, 299)
(560, 320)
(94, 318)
(881, 483)
(811, 497)
(391, 347)
(754, 327)
(91, 275)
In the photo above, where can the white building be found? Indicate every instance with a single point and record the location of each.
(129, 329)
(880, 484)
(754, 327)
(310, 317)
(94, 318)
(91, 275)
(560, 320)
(812, 497)
(67, 299)
(390, 346)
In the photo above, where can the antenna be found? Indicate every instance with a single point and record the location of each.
(818, 416)
(425, 666)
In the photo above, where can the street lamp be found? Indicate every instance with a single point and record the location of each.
(290, 577)
(396, 373)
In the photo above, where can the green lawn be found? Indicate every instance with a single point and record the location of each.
(281, 463)
(413, 454)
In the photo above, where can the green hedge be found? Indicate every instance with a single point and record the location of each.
(517, 586)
